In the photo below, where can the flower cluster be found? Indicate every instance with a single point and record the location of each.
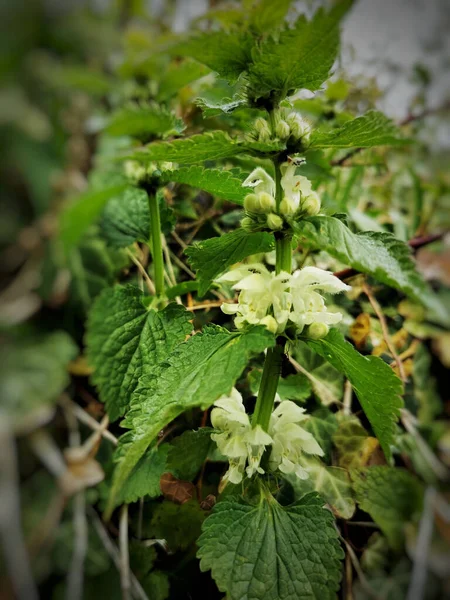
(260, 205)
(282, 300)
(244, 445)
(288, 125)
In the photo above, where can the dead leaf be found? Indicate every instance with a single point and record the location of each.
(176, 490)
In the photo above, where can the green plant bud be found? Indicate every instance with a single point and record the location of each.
(266, 201)
(252, 203)
(317, 331)
(135, 171)
(274, 221)
(286, 207)
(311, 204)
(262, 129)
(248, 224)
(300, 129)
(282, 130)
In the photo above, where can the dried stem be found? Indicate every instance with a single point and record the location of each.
(143, 272)
(125, 578)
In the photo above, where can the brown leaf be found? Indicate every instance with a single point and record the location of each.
(360, 330)
(176, 490)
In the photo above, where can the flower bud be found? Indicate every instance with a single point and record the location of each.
(134, 170)
(266, 202)
(286, 207)
(311, 204)
(270, 323)
(282, 130)
(298, 126)
(274, 221)
(247, 223)
(252, 203)
(263, 130)
(317, 331)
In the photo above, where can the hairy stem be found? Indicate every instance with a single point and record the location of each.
(283, 253)
(268, 387)
(156, 244)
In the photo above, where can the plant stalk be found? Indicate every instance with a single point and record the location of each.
(156, 244)
(283, 252)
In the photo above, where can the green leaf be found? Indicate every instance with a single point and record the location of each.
(217, 182)
(353, 444)
(228, 54)
(292, 387)
(391, 496)
(371, 129)
(268, 552)
(188, 452)
(180, 526)
(378, 254)
(178, 75)
(123, 336)
(326, 382)
(93, 267)
(267, 15)
(300, 57)
(181, 289)
(144, 478)
(143, 122)
(212, 108)
(81, 212)
(195, 374)
(332, 483)
(214, 256)
(33, 373)
(377, 386)
(212, 145)
(126, 218)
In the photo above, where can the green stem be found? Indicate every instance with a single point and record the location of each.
(156, 244)
(283, 252)
(268, 387)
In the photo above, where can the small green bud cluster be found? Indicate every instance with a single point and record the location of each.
(262, 130)
(260, 213)
(138, 172)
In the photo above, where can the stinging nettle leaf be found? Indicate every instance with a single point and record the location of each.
(371, 129)
(214, 256)
(197, 148)
(123, 337)
(378, 254)
(226, 53)
(195, 374)
(217, 182)
(188, 452)
(378, 388)
(299, 57)
(268, 552)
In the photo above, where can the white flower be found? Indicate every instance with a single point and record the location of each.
(236, 439)
(272, 300)
(290, 440)
(261, 181)
(295, 187)
(308, 305)
(261, 291)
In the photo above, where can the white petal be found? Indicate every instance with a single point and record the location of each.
(229, 309)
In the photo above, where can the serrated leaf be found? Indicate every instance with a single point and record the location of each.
(144, 478)
(123, 336)
(371, 129)
(179, 525)
(93, 267)
(270, 552)
(188, 452)
(292, 387)
(332, 483)
(377, 386)
(226, 53)
(143, 122)
(214, 256)
(81, 212)
(267, 15)
(212, 108)
(220, 183)
(299, 57)
(212, 145)
(391, 496)
(126, 218)
(33, 373)
(195, 374)
(378, 254)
